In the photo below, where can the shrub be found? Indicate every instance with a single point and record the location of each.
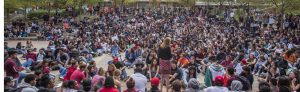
(38, 14)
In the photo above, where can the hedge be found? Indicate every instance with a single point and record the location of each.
(40, 13)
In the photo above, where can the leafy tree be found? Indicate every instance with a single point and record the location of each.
(9, 6)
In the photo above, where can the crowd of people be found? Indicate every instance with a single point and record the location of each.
(170, 47)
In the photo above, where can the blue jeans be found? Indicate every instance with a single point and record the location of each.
(62, 71)
(128, 63)
(123, 74)
(22, 75)
(28, 63)
(184, 75)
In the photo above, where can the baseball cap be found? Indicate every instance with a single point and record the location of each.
(116, 60)
(155, 81)
(219, 80)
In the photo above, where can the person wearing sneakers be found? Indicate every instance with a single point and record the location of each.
(219, 85)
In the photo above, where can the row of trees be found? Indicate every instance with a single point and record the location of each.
(282, 6)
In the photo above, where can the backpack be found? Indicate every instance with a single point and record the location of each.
(245, 82)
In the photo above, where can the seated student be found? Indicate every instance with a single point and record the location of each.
(70, 70)
(8, 83)
(129, 57)
(70, 86)
(272, 72)
(118, 64)
(273, 85)
(258, 65)
(229, 77)
(117, 80)
(176, 86)
(264, 87)
(86, 85)
(153, 70)
(219, 83)
(213, 70)
(28, 85)
(284, 84)
(130, 86)
(183, 61)
(251, 61)
(227, 63)
(140, 80)
(236, 86)
(176, 72)
(46, 82)
(98, 79)
(191, 73)
(140, 63)
(294, 76)
(109, 85)
(154, 85)
(111, 68)
(192, 63)
(194, 86)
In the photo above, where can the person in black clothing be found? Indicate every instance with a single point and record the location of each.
(264, 87)
(164, 57)
(46, 17)
(46, 83)
(8, 83)
(176, 72)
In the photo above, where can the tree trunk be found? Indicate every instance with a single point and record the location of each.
(25, 13)
(49, 8)
(7, 14)
(282, 13)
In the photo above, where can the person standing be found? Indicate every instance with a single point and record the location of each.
(164, 56)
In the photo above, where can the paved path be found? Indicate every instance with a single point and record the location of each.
(101, 61)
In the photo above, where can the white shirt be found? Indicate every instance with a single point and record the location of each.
(239, 69)
(140, 81)
(216, 89)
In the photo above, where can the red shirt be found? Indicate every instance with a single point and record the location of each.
(69, 73)
(109, 89)
(11, 68)
(77, 75)
(32, 56)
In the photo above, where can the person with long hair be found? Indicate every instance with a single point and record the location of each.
(110, 70)
(98, 80)
(154, 69)
(109, 85)
(164, 57)
(130, 86)
(284, 84)
(273, 72)
(295, 77)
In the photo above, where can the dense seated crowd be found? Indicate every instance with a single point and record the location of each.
(169, 47)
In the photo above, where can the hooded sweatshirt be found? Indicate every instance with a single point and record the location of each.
(27, 87)
(213, 71)
(194, 86)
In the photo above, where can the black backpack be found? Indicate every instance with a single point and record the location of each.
(245, 82)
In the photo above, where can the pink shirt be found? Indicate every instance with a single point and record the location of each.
(77, 75)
